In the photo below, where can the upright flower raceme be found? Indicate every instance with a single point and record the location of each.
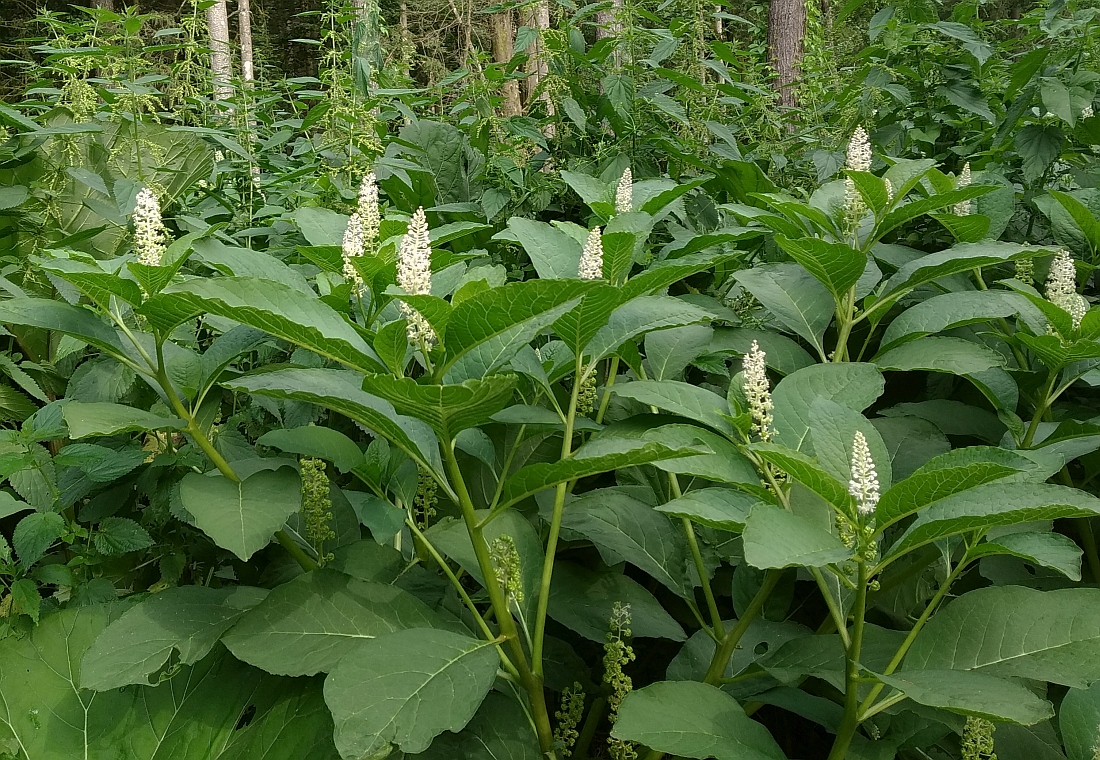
(1062, 287)
(858, 160)
(758, 392)
(591, 265)
(864, 483)
(624, 193)
(963, 208)
(352, 249)
(149, 231)
(369, 213)
(414, 275)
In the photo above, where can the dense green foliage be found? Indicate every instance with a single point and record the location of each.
(348, 417)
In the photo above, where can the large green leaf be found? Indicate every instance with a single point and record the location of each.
(955, 356)
(555, 254)
(781, 353)
(315, 441)
(583, 600)
(995, 504)
(341, 391)
(1043, 549)
(945, 475)
(305, 626)
(719, 508)
(952, 310)
(1079, 721)
(242, 516)
(835, 265)
(448, 409)
(915, 208)
(47, 314)
(92, 280)
(639, 316)
(793, 298)
(972, 693)
(196, 715)
(854, 385)
(278, 309)
(529, 480)
(695, 720)
(500, 730)
(627, 530)
(86, 419)
(680, 398)
(960, 258)
(1015, 632)
(486, 330)
(776, 538)
(188, 620)
(406, 688)
(833, 428)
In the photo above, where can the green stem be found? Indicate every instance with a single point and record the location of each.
(1047, 399)
(844, 328)
(612, 372)
(726, 647)
(865, 707)
(701, 569)
(591, 723)
(532, 683)
(485, 630)
(850, 722)
(555, 529)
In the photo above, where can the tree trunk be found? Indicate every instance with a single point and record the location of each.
(221, 61)
(106, 5)
(608, 24)
(244, 24)
(537, 16)
(503, 27)
(786, 30)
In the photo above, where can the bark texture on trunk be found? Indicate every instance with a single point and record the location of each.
(786, 30)
(244, 24)
(107, 5)
(503, 27)
(608, 24)
(536, 16)
(221, 60)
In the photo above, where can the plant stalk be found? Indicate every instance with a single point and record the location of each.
(850, 722)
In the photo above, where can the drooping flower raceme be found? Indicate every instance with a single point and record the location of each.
(414, 275)
(1062, 287)
(591, 264)
(963, 208)
(624, 193)
(149, 230)
(758, 392)
(352, 249)
(864, 483)
(369, 213)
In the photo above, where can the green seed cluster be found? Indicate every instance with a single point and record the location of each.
(569, 717)
(977, 742)
(617, 654)
(316, 507)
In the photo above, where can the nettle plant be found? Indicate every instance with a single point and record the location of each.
(553, 473)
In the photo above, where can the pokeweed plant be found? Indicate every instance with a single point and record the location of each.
(511, 446)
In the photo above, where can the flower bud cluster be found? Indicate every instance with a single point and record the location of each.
(149, 231)
(414, 275)
(591, 264)
(624, 193)
(758, 391)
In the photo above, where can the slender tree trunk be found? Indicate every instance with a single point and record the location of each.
(537, 16)
(244, 24)
(609, 24)
(786, 30)
(717, 22)
(221, 60)
(503, 26)
(106, 5)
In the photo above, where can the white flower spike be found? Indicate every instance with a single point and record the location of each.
(149, 231)
(864, 483)
(591, 264)
(414, 275)
(624, 193)
(963, 208)
(352, 249)
(758, 391)
(859, 151)
(369, 213)
(1062, 288)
